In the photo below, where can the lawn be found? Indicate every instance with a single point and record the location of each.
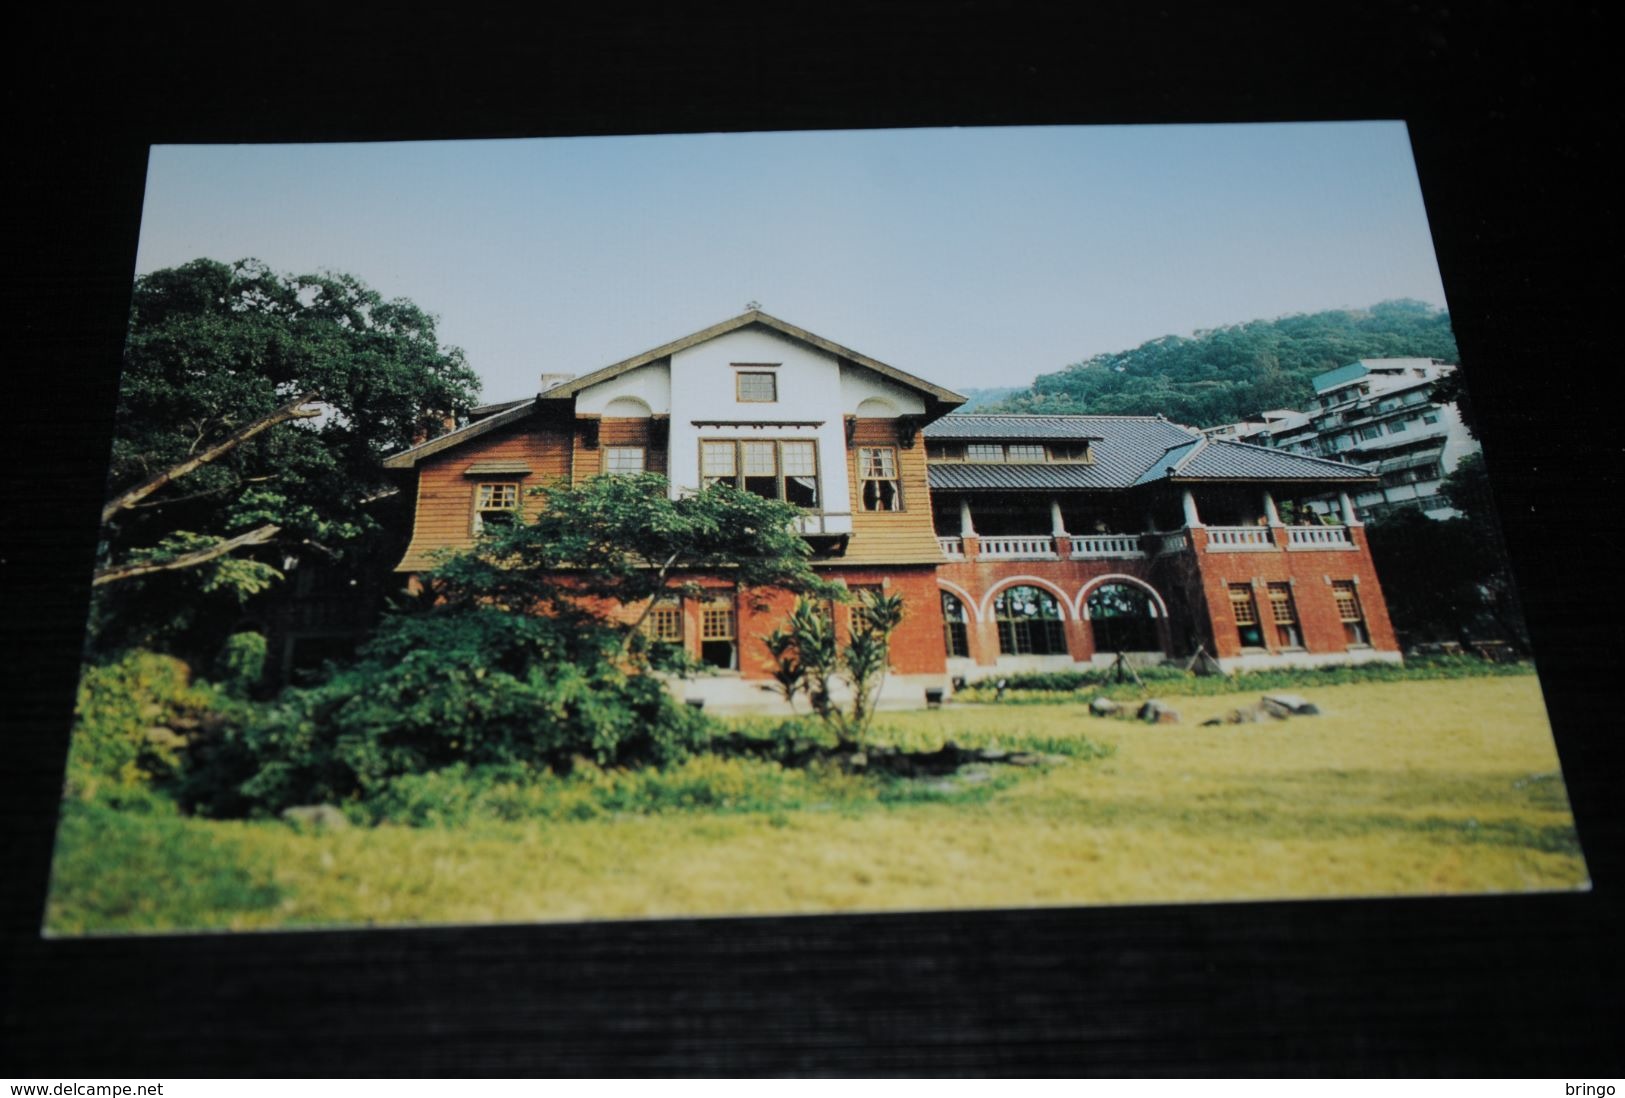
(1397, 788)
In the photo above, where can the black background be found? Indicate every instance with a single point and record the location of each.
(1512, 112)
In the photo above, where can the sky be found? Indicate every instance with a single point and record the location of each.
(973, 258)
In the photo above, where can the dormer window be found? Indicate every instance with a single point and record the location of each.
(495, 504)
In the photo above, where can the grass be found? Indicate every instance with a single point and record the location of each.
(1398, 788)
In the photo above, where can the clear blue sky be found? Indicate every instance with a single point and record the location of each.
(972, 257)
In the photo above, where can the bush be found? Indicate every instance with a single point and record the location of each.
(461, 795)
(481, 688)
(131, 721)
(240, 666)
(1049, 687)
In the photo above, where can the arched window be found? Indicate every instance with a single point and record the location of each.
(955, 626)
(1029, 621)
(1122, 618)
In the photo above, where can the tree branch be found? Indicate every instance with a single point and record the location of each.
(660, 585)
(294, 409)
(257, 536)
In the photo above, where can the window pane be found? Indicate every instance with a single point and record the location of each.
(878, 461)
(801, 491)
(494, 497)
(982, 451)
(717, 621)
(623, 459)
(761, 459)
(799, 459)
(1025, 452)
(758, 387)
(717, 459)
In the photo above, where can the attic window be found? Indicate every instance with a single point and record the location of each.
(756, 387)
(495, 504)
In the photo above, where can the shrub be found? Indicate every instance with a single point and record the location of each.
(131, 721)
(478, 687)
(240, 666)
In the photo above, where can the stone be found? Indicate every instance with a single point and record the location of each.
(1295, 704)
(1157, 711)
(321, 817)
(1104, 707)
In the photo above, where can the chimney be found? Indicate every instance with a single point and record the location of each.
(553, 381)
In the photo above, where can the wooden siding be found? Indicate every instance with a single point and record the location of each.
(444, 517)
(587, 460)
(891, 537)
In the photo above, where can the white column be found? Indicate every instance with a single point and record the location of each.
(1270, 512)
(966, 530)
(1350, 518)
(1057, 525)
(1191, 517)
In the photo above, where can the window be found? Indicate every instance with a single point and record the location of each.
(1072, 451)
(623, 460)
(1123, 619)
(1374, 431)
(984, 451)
(1285, 613)
(1430, 417)
(877, 471)
(495, 504)
(1245, 610)
(800, 473)
(717, 634)
(955, 627)
(786, 470)
(1396, 426)
(1029, 621)
(665, 623)
(1024, 452)
(1347, 596)
(756, 387)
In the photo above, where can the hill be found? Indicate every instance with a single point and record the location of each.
(1226, 374)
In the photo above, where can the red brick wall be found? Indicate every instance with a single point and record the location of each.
(1062, 578)
(1310, 572)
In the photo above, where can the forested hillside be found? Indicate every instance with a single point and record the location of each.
(1226, 374)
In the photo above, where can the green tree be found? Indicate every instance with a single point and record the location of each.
(807, 660)
(521, 651)
(254, 411)
(621, 541)
(1225, 374)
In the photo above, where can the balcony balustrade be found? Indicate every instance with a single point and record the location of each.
(1017, 548)
(1222, 539)
(1103, 546)
(1319, 537)
(952, 548)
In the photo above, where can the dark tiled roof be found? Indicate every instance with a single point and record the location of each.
(975, 476)
(1123, 447)
(1128, 451)
(1221, 459)
(1015, 427)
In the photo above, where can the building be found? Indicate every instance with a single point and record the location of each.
(1380, 414)
(1015, 541)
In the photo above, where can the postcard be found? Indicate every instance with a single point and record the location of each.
(796, 523)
